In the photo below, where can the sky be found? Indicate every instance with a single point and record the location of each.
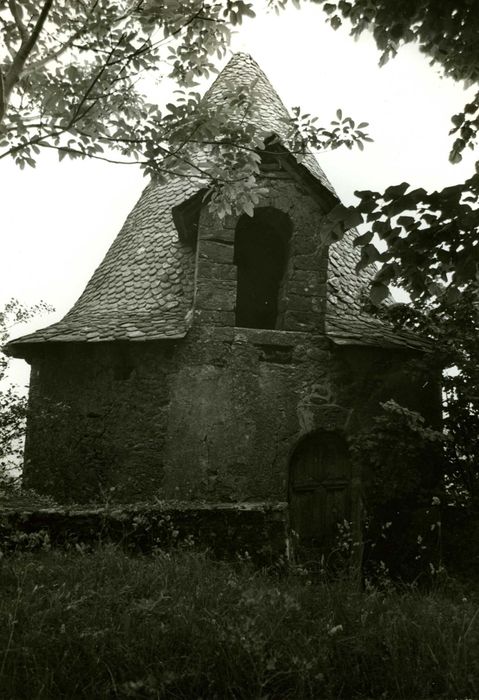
(58, 220)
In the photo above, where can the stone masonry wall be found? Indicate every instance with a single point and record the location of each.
(258, 532)
(214, 417)
(217, 415)
(304, 286)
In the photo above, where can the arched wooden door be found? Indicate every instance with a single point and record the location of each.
(319, 492)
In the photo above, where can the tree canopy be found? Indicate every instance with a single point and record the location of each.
(431, 238)
(74, 75)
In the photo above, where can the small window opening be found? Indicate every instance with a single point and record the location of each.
(261, 253)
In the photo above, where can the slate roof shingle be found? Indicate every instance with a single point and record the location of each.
(143, 288)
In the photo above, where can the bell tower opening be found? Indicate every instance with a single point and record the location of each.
(261, 255)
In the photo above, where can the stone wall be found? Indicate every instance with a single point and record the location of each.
(257, 532)
(303, 295)
(217, 415)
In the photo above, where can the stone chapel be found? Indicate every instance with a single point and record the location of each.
(219, 360)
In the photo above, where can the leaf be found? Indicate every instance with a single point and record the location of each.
(384, 59)
(339, 114)
(248, 208)
(354, 218)
(455, 157)
(329, 8)
(336, 22)
(371, 252)
(406, 221)
(364, 239)
(378, 293)
(396, 191)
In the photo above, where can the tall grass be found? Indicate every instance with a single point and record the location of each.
(107, 625)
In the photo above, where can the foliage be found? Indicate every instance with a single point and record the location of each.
(73, 78)
(401, 461)
(108, 625)
(13, 403)
(70, 70)
(453, 326)
(446, 33)
(399, 456)
(431, 237)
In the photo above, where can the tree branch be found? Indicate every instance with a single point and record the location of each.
(17, 16)
(169, 171)
(2, 98)
(24, 51)
(76, 114)
(68, 43)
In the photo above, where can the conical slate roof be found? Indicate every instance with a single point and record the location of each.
(143, 289)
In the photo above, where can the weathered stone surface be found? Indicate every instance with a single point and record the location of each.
(305, 278)
(311, 262)
(214, 416)
(217, 252)
(302, 321)
(264, 336)
(217, 233)
(256, 530)
(215, 318)
(295, 302)
(213, 271)
(216, 294)
(305, 216)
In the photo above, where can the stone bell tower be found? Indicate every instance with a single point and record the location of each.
(219, 360)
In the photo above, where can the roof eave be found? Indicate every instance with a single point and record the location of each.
(23, 349)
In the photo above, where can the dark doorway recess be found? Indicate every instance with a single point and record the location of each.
(261, 253)
(319, 492)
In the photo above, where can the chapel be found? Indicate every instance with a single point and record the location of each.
(220, 360)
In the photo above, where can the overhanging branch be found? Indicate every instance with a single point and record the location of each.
(24, 51)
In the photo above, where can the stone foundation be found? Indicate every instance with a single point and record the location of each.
(256, 532)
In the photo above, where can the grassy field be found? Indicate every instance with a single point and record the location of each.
(109, 625)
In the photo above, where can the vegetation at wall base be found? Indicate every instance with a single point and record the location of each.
(107, 625)
(13, 402)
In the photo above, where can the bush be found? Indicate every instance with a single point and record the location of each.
(105, 625)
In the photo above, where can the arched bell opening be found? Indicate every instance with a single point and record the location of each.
(261, 255)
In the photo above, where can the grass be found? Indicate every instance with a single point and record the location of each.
(108, 625)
